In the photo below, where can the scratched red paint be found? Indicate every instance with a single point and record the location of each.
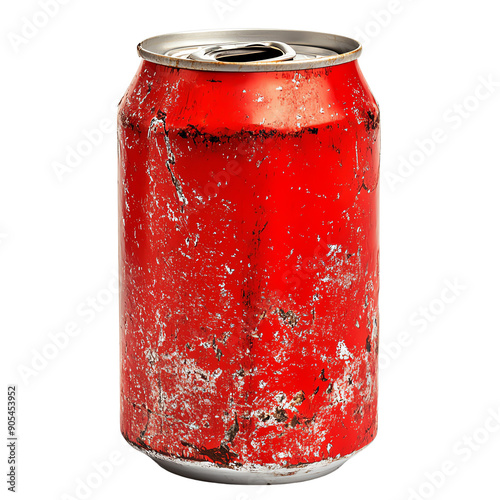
(249, 264)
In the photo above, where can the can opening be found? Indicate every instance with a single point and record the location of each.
(244, 52)
(248, 55)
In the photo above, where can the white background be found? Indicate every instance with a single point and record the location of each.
(439, 373)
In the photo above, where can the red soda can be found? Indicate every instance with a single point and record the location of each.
(249, 255)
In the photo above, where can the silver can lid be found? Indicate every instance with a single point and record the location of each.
(249, 50)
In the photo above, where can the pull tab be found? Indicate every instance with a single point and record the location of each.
(245, 52)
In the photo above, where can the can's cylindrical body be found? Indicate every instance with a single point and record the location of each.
(249, 269)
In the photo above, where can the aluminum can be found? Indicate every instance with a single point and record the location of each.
(249, 255)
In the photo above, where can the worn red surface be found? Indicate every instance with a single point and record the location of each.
(249, 264)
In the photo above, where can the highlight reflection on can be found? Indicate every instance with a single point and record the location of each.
(248, 188)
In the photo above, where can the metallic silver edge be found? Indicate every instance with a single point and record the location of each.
(253, 475)
(146, 50)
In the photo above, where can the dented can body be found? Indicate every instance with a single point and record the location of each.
(249, 269)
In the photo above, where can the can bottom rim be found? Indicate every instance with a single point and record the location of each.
(250, 475)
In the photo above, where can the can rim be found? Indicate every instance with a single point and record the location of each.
(155, 49)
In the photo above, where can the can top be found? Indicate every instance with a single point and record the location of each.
(249, 50)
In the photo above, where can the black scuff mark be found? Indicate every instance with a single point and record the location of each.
(220, 455)
(215, 347)
(196, 134)
(233, 430)
(140, 439)
(280, 415)
(263, 227)
(170, 161)
(372, 121)
(365, 187)
(289, 317)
